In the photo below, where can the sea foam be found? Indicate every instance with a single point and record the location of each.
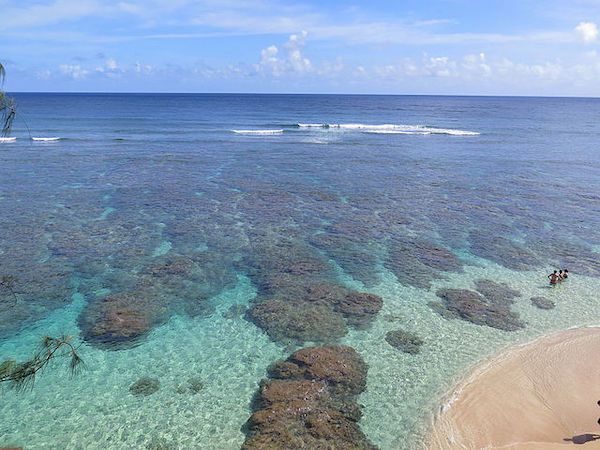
(258, 132)
(390, 129)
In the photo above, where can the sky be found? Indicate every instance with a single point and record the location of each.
(450, 47)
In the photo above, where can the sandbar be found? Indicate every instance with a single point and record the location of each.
(541, 395)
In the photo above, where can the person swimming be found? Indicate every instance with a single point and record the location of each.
(553, 278)
(565, 274)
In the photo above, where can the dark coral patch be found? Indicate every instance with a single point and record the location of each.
(543, 302)
(496, 292)
(359, 308)
(299, 299)
(144, 386)
(299, 321)
(417, 263)
(119, 320)
(310, 402)
(405, 341)
(475, 308)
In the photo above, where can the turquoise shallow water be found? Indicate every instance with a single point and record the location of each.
(150, 219)
(95, 410)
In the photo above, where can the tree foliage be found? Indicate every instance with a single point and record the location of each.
(21, 375)
(8, 108)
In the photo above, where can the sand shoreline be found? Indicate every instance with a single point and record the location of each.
(542, 394)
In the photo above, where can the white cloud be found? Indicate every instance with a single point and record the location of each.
(145, 69)
(111, 64)
(74, 71)
(476, 65)
(292, 62)
(588, 31)
(110, 68)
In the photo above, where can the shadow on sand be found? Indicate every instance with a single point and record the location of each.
(583, 438)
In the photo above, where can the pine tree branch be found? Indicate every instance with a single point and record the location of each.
(21, 376)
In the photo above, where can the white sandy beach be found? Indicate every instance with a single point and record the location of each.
(536, 396)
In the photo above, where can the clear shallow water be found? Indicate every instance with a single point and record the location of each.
(157, 197)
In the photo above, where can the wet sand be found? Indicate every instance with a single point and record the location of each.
(541, 395)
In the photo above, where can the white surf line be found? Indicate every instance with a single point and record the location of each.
(259, 132)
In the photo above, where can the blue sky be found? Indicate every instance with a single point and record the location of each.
(525, 47)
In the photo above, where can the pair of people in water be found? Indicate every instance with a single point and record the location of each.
(555, 276)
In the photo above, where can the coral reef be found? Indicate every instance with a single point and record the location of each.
(299, 321)
(310, 402)
(192, 385)
(496, 293)
(405, 341)
(475, 308)
(144, 386)
(119, 320)
(543, 302)
(418, 263)
(299, 299)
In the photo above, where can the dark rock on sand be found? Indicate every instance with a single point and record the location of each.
(542, 302)
(193, 386)
(299, 321)
(475, 308)
(160, 444)
(119, 320)
(496, 292)
(299, 299)
(341, 367)
(359, 308)
(405, 341)
(310, 402)
(144, 386)
(417, 263)
(503, 251)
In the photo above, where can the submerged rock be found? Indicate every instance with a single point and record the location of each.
(417, 263)
(503, 251)
(496, 292)
(193, 386)
(475, 308)
(145, 386)
(359, 308)
(341, 367)
(405, 341)
(360, 264)
(119, 320)
(299, 321)
(299, 299)
(542, 302)
(310, 402)
(160, 444)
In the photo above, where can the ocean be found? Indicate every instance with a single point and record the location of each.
(182, 238)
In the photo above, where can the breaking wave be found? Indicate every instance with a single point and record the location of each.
(258, 132)
(389, 129)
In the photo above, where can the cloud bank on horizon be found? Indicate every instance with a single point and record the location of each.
(510, 47)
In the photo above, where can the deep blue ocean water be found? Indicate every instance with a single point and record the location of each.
(153, 216)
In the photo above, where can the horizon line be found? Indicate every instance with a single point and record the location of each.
(300, 94)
